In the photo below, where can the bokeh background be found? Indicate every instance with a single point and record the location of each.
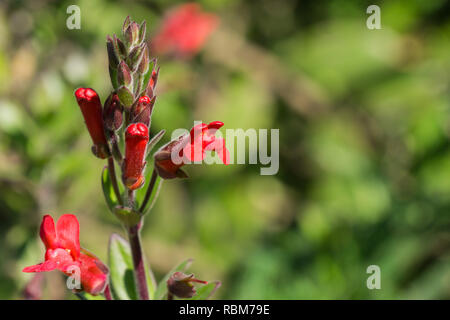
(364, 145)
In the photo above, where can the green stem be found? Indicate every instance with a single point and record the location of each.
(149, 191)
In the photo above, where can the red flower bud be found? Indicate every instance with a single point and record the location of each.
(91, 108)
(112, 113)
(63, 252)
(180, 285)
(136, 140)
(190, 148)
(142, 111)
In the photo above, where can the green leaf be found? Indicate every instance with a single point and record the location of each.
(161, 291)
(206, 291)
(121, 269)
(154, 141)
(140, 195)
(108, 190)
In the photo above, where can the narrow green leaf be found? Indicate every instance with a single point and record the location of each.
(206, 291)
(121, 269)
(108, 190)
(161, 290)
(154, 141)
(140, 195)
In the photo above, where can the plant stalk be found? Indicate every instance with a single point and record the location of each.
(138, 261)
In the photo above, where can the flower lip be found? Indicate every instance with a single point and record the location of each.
(144, 100)
(87, 94)
(137, 130)
(215, 125)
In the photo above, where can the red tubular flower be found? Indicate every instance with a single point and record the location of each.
(136, 140)
(91, 108)
(63, 252)
(184, 30)
(190, 148)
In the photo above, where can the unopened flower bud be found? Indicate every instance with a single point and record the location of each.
(180, 285)
(132, 33)
(126, 23)
(136, 139)
(113, 56)
(142, 111)
(145, 61)
(91, 108)
(120, 47)
(152, 83)
(135, 56)
(124, 76)
(142, 31)
(113, 113)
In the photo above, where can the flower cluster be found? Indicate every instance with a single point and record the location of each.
(126, 116)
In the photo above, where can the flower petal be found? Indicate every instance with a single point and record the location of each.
(48, 233)
(41, 267)
(93, 275)
(68, 232)
(219, 146)
(61, 257)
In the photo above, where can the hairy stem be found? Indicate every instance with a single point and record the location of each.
(131, 198)
(138, 262)
(115, 150)
(149, 191)
(112, 176)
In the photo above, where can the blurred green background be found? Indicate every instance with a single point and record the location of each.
(364, 145)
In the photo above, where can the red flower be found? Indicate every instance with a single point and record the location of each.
(91, 108)
(63, 252)
(136, 139)
(190, 148)
(184, 30)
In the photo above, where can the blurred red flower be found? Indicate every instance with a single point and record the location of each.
(184, 31)
(63, 252)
